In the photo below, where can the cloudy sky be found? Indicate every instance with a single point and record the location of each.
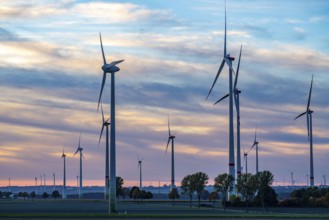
(50, 76)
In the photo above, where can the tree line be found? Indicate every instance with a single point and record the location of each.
(250, 188)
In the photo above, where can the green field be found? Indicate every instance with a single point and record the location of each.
(90, 209)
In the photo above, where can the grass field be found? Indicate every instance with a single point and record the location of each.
(90, 209)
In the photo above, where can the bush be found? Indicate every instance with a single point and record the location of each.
(294, 202)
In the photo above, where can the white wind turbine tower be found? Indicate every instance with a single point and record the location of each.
(112, 69)
(140, 172)
(308, 113)
(171, 137)
(245, 160)
(228, 60)
(36, 184)
(292, 177)
(237, 107)
(54, 181)
(79, 149)
(107, 174)
(64, 176)
(255, 144)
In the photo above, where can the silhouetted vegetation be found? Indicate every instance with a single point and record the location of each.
(119, 184)
(55, 194)
(45, 195)
(173, 194)
(308, 197)
(194, 183)
(33, 195)
(213, 196)
(247, 185)
(224, 184)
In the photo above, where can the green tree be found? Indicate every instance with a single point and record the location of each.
(265, 180)
(119, 182)
(270, 199)
(125, 192)
(204, 194)
(187, 187)
(224, 184)
(55, 194)
(213, 196)
(199, 181)
(45, 195)
(131, 191)
(247, 185)
(148, 195)
(136, 194)
(173, 194)
(33, 195)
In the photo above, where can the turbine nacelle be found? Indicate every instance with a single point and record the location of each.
(172, 137)
(108, 68)
(230, 58)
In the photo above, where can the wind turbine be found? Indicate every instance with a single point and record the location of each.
(228, 60)
(171, 137)
(308, 113)
(36, 184)
(64, 176)
(292, 177)
(79, 149)
(245, 158)
(105, 124)
(307, 178)
(54, 181)
(237, 107)
(110, 68)
(255, 144)
(324, 180)
(140, 172)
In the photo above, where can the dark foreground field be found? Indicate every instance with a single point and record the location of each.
(90, 209)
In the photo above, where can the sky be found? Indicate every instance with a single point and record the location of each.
(50, 78)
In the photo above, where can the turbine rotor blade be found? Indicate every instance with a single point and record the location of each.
(100, 136)
(115, 62)
(229, 64)
(76, 152)
(237, 70)
(102, 113)
(169, 127)
(308, 127)
(309, 95)
(102, 87)
(225, 34)
(300, 115)
(235, 96)
(79, 140)
(224, 97)
(100, 38)
(219, 71)
(167, 145)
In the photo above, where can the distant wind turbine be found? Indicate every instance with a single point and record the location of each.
(307, 178)
(245, 159)
(140, 172)
(36, 184)
(107, 174)
(292, 177)
(54, 181)
(228, 60)
(41, 181)
(64, 176)
(308, 113)
(171, 137)
(256, 144)
(110, 68)
(80, 149)
(237, 107)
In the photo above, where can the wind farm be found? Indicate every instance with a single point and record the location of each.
(52, 89)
